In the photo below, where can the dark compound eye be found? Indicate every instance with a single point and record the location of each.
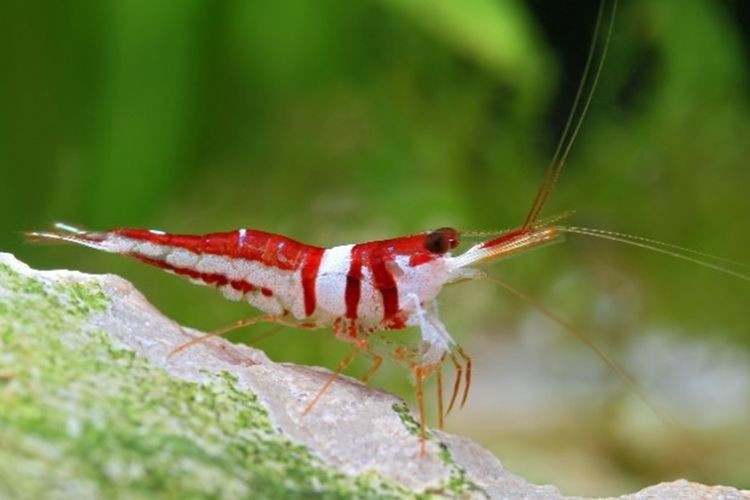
(441, 240)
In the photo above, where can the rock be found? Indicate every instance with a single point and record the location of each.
(682, 489)
(92, 406)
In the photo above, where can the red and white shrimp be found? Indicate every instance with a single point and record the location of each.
(355, 289)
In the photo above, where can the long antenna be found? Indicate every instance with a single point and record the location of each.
(565, 144)
(701, 258)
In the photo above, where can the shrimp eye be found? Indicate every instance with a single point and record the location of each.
(441, 240)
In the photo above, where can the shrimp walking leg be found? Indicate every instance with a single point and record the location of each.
(220, 331)
(342, 366)
(266, 318)
(377, 360)
(439, 388)
(467, 359)
(457, 383)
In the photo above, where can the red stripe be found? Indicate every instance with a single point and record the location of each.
(504, 238)
(309, 277)
(269, 249)
(242, 286)
(384, 280)
(354, 281)
(209, 278)
(375, 255)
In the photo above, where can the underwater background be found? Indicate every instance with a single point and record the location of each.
(345, 121)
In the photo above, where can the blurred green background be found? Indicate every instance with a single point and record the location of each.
(341, 121)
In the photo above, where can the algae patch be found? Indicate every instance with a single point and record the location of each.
(410, 424)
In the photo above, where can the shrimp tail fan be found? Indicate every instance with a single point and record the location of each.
(66, 233)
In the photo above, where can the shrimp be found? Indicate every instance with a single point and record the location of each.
(355, 290)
